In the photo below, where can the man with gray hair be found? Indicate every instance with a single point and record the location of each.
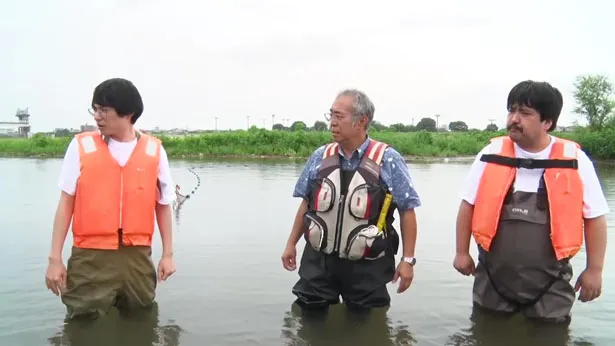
(350, 189)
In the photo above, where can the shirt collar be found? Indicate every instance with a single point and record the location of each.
(359, 151)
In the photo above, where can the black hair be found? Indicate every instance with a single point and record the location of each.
(541, 96)
(121, 95)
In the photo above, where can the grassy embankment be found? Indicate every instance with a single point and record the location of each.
(265, 143)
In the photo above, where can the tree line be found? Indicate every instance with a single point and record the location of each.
(593, 95)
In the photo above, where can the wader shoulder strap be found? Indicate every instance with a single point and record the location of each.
(542, 200)
(529, 163)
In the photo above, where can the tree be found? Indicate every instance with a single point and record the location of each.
(458, 126)
(278, 126)
(298, 126)
(427, 124)
(399, 127)
(320, 126)
(376, 126)
(593, 97)
(491, 128)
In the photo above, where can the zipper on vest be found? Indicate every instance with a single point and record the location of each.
(338, 232)
(119, 230)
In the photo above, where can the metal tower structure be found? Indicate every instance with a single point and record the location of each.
(23, 123)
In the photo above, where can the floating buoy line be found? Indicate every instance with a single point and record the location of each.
(182, 198)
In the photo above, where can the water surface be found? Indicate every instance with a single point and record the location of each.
(230, 287)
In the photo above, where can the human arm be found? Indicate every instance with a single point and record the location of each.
(289, 256)
(463, 261)
(595, 208)
(302, 189)
(595, 242)
(166, 194)
(55, 277)
(163, 218)
(61, 222)
(297, 229)
(396, 175)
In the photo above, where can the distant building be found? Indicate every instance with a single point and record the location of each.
(86, 128)
(565, 128)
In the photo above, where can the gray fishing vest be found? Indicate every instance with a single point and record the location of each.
(344, 207)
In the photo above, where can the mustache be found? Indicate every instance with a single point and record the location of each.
(514, 126)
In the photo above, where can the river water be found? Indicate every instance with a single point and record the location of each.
(230, 287)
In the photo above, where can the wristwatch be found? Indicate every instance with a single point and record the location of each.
(410, 260)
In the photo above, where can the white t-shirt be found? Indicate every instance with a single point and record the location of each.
(120, 151)
(594, 201)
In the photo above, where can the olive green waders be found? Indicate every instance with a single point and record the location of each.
(99, 279)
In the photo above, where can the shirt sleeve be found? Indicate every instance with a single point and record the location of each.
(166, 189)
(396, 175)
(71, 168)
(470, 185)
(594, 201)
(307, 176)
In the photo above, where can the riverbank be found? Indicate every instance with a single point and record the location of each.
(266, 144)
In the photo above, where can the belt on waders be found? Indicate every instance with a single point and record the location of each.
(513, 301)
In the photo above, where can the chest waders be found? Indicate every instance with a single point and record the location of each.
(521, 270)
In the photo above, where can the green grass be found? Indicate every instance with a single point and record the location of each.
(266, 143)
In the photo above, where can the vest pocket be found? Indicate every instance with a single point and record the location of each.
(365, 243)
(364, 201)
(316, 231)
(324, 195)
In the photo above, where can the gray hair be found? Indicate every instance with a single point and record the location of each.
(361, 105)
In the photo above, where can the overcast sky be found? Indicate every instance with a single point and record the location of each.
(195, 60)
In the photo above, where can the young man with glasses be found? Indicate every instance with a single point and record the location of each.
(116, 184)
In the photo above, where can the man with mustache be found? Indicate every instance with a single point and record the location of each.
(115, 184)
(350, 239)
(528, 201)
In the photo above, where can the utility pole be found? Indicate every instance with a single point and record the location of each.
(216, 124)
(272, 120)
(437, 120)
(248, 122)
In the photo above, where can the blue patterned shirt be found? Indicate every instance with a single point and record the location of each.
(394, 174)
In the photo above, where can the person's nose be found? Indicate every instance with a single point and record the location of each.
(514, 117)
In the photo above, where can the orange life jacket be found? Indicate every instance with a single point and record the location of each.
(113, 202)
(564, 192)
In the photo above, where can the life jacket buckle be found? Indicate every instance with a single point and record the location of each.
(526, 163)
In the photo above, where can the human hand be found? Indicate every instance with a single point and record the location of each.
(590, 284)
(289, 258)
(464, 264)
(166, 268)
(405, 272)
(55, 278)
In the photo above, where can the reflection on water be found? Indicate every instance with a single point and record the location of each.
(490, 329)
(340, 327)
(137, 329)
